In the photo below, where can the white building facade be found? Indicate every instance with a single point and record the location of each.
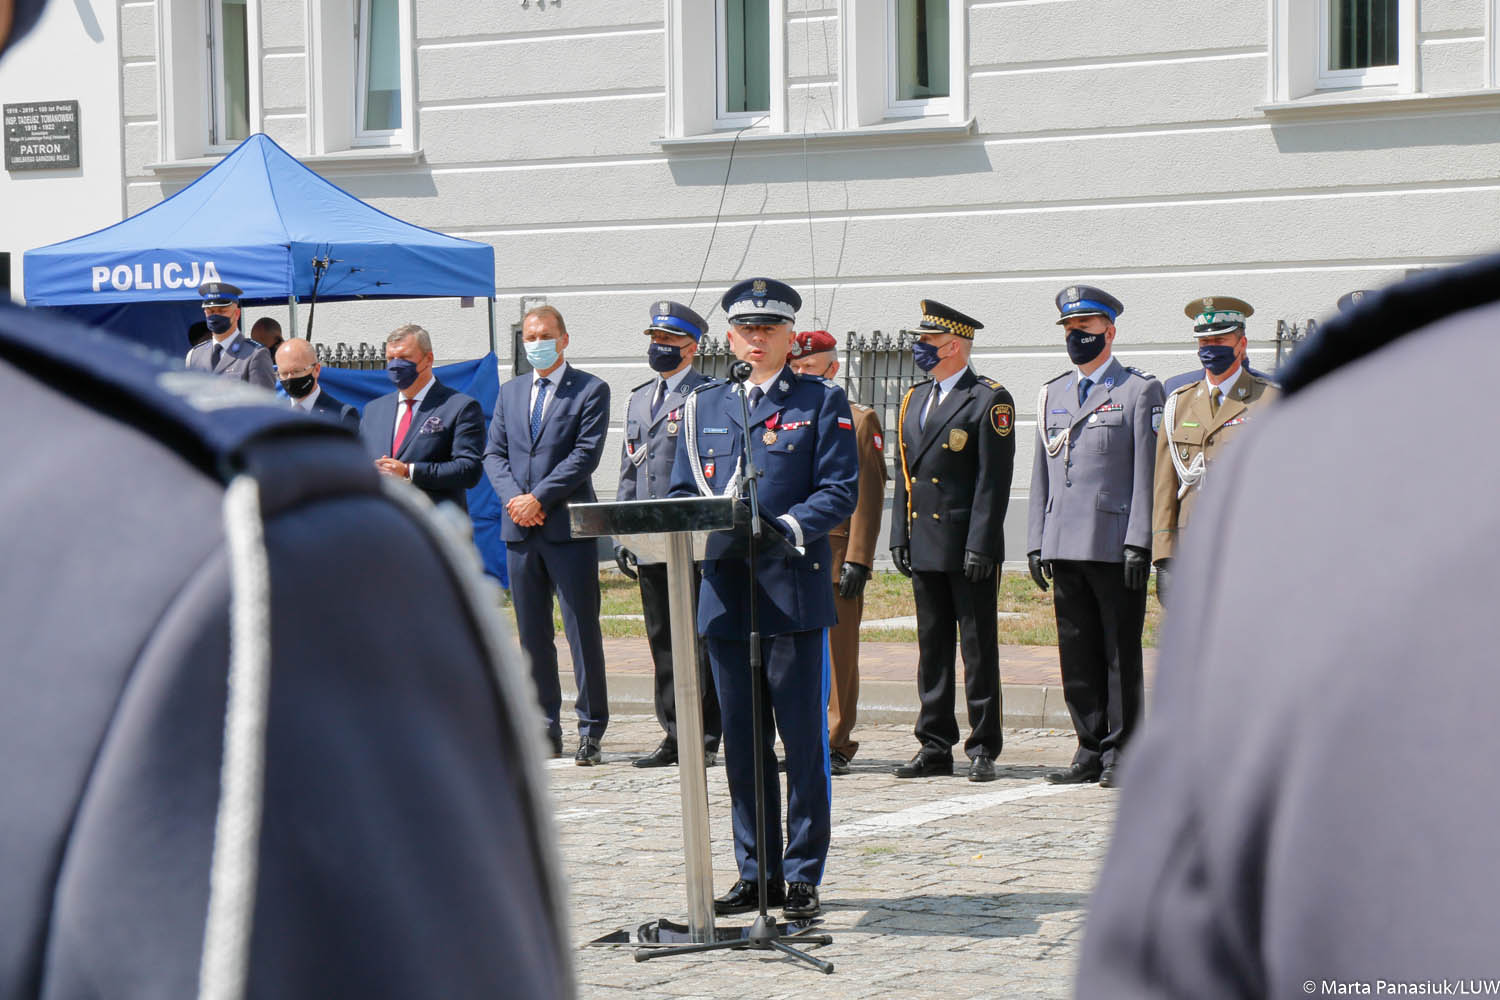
(985, 153)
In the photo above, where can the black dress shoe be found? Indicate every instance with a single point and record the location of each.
(1077, 774)
(925, 764)
(838, 763)
(588, 753)
(555, 743)
(1107, 778)
(982, 768)
(801, 901)
(663, 756)
(744, 896)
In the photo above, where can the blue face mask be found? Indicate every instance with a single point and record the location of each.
(664, 357)
(402, 372)
(542, 354)
(1084, 347)
(925, 355)
(1217, 358)
(218, 324)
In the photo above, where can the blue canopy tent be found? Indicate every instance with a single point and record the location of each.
(260, 220)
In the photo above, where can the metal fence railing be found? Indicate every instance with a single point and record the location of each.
(368, 357)
(1289, 335)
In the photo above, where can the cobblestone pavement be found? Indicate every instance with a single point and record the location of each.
(935, 887)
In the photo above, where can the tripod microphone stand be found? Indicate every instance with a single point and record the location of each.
(765, 934)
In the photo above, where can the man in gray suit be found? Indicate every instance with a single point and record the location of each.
(653, 423)
(227, 351)
(1089, 528)
(1311, 805)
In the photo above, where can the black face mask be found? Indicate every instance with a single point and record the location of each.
(300, 386)
(1085, 347)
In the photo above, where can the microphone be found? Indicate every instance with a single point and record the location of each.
(739, 372)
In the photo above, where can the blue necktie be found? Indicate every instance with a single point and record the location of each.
(1084, 385)
(659, 398)
(536, 408)
(756, 395)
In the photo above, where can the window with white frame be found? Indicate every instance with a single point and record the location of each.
(361, 74)
(378, 105)
(229, 71)
(917, 42)
(1343, 45)
(743, 42)
(1358, 43)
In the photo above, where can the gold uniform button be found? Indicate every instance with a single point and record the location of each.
(936, 518)
(934, 479)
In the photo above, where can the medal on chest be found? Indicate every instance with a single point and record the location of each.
(772, 422)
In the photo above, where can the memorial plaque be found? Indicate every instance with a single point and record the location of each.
(41, 136)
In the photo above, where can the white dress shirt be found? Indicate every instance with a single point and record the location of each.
(401, 409)
(936, 399)
(554, 379)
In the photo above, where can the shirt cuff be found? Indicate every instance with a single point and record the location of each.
(791, 522)
(409, 468)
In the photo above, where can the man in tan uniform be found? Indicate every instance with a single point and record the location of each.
(1199, 421)
(815, 352)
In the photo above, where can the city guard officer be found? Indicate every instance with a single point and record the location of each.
(815, 352)
(653, 427)
(1089, 527)
(227, 351)
(801, 436)
(956, 450)
(1199, 420)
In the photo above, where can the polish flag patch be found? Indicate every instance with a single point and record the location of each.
(846, 424)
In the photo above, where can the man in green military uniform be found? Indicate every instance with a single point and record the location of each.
(1199, 421)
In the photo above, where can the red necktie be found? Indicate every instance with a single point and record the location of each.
(404, 425)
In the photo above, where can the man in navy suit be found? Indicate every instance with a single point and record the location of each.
(546, 440)
(424, 432)
(297, 369)
(801, 434)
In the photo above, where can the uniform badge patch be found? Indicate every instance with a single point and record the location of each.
(1155, 419)
(957, 438)
(1002, 418)
(708, 469)
(879, 443)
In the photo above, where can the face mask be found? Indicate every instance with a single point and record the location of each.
(402, 372)
(1217, 358)
(1085, 347)
(218, 324)
(925, 355)
(541, 353)
(299, 386)
(662, 357)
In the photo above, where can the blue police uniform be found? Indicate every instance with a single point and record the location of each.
(802, 439)
(228, 513)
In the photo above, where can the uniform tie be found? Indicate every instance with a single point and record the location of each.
(1084, 385)
(933, 402)
(756, 395)
(405, 425)
(217, 353)
(536, 408)
(1216, 398)
(659, 397)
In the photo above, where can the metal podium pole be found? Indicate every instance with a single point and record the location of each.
(690, 768)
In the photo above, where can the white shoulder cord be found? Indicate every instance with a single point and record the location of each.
(517, 690)
(1064, 438)
(690, 428)
(224, 966)
(1187, 475)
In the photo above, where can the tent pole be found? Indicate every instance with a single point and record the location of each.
(493, 346)
(291, 308)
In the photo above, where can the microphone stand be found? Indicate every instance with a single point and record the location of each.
(764, 934)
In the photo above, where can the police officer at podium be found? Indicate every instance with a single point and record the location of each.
(653, 427)
(956, 451)
(801, 436)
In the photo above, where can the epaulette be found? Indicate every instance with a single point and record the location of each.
(707, 383)
(859, 406)
(1056, 377)
(1137, 371)
(643, 384)
(1186, 386)
(1389, 315)
(985, 380)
